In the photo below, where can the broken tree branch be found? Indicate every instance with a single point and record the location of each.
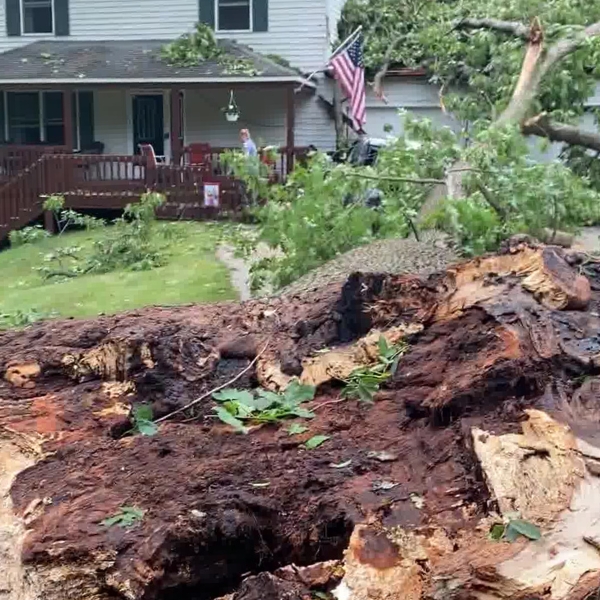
(424, 181)
(542, 126)
(565, 46)
(513, 27)
(529, 78)
(536, 66)
(489, 198)
(387, 60)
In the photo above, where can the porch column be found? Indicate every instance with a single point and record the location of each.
(68, 118)
(176, 141)
(290, 126)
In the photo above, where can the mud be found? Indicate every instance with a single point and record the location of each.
(490, 348)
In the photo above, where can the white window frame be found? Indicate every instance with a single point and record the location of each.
(234, 31)
(53, 32)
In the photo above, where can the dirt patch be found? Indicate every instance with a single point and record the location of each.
(219, 505)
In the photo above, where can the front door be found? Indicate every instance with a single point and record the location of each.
(148, 122)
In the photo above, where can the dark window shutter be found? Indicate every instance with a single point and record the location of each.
(2, 118)
(207, 12)
(61, 17)
(260, 15)
(86, 119)
(13, 17)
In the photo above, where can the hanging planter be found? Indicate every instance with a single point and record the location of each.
(232, 112)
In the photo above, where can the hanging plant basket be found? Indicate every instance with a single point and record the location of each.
(232, 112)
(232, 115)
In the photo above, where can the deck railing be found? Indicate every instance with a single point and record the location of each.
(281, 167)
(15, 158)
(98, 181)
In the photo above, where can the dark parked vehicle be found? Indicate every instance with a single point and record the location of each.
(363, 153)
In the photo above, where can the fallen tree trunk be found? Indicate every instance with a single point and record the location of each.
(492, 411)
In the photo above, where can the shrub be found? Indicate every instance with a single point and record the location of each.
(27, 235)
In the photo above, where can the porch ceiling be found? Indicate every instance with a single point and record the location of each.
(97, 62)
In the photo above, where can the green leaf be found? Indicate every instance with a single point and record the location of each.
(229, 419)
(519, 527)
(497, 531)
(395, 364)
(366, 392)
(239, 409)
(143, 412)
(111, 521)
(296, 429)
(303, 413)
(145, 427)
(316, 441)
(128, 516)
(383, 346)
(232, 394)
(266, 399)
(296, 393)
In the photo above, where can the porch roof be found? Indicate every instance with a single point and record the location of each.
(128, 62)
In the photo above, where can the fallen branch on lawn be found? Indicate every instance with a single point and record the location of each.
(217, 389)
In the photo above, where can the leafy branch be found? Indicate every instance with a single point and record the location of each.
(238, 407)
(200, 46)
(365, 382)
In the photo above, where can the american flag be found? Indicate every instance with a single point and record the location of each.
(349, 69)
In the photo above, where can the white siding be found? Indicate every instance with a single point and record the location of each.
(297, 28)
(263, 114)
(111, 125)
(421, 99)
(297, 32)
(334, 11)
(595, 99)
(416, 96)
(379, 120)
(313, 124)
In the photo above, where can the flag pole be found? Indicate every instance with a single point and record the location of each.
(343, 45)
(346, 42)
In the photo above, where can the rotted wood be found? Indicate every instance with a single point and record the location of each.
(492, 412)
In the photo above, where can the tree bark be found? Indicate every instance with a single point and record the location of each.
(493, 346)
(340, 136)
(542, 126)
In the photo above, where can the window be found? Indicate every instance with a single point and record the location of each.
(37, 16)
(37, 117)
(24, 117)
(234, 15)
(54, 126)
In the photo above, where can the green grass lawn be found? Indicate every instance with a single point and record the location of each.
(191, 274)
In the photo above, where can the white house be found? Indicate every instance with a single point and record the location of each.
(98, 61)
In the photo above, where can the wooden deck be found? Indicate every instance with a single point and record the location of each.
(110, 182)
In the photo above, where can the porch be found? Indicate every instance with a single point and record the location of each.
(80, 136)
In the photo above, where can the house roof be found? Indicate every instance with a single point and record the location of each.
(135, 61)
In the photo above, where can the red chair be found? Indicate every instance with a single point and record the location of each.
(147, 150)
(154, 175)
(201, 156)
